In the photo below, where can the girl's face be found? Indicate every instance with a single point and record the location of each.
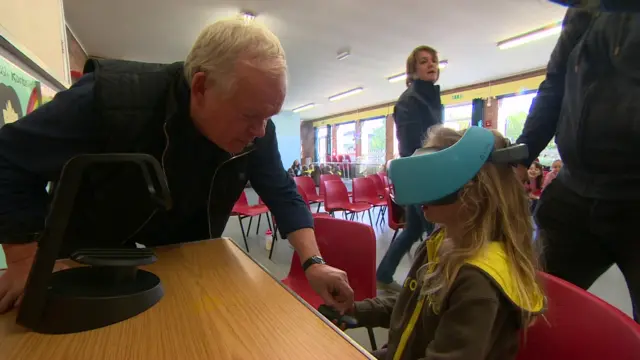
(447, 215)
(533, 171)
(556, 166)
(427, 67)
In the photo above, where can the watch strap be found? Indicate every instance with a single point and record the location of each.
(312, 261)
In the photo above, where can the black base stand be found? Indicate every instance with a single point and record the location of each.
(88, 298)
(111, 288)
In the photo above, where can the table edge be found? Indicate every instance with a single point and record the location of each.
(300, 299)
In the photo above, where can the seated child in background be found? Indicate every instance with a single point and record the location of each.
(472, 287)
(533, 185)
(555, 169)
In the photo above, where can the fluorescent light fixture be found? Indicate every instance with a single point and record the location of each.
(343, 55)
(400, 77)
(248, 16)
(345, 94)
(304, 107)
(534, 35)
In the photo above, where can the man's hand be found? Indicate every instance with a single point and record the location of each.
(12, 281)
(332, 285)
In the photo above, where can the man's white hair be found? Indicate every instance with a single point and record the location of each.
(222, 44)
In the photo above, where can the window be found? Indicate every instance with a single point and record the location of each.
(346, 139)
(321, 143)
(458, 117)
(512, 114)
(373, 140)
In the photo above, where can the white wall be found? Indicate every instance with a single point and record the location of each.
(288, 135)
(37, 29)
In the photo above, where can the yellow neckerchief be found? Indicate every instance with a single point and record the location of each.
(492, 261)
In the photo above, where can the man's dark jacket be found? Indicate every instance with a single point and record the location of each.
(128, 107)
(418, 108)
(590, 100)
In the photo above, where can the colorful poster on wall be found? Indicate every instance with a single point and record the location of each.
(19, 92)
(47, 93)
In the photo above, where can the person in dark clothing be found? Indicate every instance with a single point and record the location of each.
(589, 101)
(417, 109)
(207, 121)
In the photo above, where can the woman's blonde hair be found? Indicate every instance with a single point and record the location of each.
(412, 61)
(496, 209)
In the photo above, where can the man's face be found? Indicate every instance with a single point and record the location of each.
(233, 120)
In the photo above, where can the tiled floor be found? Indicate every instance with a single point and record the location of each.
(611, 286)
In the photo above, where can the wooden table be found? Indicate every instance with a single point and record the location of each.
(218, 304)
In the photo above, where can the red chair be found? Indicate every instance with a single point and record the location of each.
(336, 198)
(357, 257)
(395, 215)
(327, 177)
(309, 190)
(275, 226)
(578, 325)
(364, 190)
(377, 181)
(243, 210)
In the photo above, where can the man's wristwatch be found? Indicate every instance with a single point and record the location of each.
(312, 261)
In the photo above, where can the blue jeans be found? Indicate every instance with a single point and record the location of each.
(416, 224)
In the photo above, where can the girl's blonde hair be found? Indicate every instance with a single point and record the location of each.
(499, 211)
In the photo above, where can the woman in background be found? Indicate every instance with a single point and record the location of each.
(418, 108)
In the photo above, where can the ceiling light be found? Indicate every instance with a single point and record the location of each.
(248, 15)
(343, 54)
(304, 107)
(534, 35)
(345, 94)
(400, 77)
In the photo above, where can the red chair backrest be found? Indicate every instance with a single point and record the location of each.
(364, 190)
(336, 195)
(242, 200)
(340, 158)
(357, 256)
(327, 158)
(347, 158)
(304, 196)
(327, 177)
(334, 158)
(395, 213)
(377, 181)
(581, 326)
(306, 184)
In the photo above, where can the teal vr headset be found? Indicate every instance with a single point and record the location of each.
(435, 177)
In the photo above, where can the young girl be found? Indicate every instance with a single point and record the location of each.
(472, 288)
(534, 183)
(555, 169)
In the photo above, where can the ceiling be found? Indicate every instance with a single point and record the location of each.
(380, 34)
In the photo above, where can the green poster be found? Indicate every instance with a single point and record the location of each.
(19, 92)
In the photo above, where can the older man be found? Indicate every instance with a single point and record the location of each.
(207, 121)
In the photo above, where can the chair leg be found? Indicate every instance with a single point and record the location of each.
(249, 227)
(244, 237)
(394, 235)
(258, 227)
(275, 238)
(269, 223)
(372, 339)
(370, 219)
(318, 210)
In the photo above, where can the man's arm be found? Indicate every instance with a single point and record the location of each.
(34, 149)
(604, 5)
(408, 126)
(543, 115)
(279, 192)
